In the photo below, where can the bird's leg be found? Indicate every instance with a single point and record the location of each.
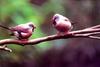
(19, 35)
(59, 33)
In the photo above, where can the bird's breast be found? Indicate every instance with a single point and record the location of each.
(63, 27)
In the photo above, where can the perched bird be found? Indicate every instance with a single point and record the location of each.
(61, 23)
(22, 31)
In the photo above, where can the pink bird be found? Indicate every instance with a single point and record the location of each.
(61, 23)
(22, 31)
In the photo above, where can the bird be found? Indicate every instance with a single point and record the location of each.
(22, 31)
(61, 23)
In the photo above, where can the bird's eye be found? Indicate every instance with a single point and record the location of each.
(65, 19)
(31, 25)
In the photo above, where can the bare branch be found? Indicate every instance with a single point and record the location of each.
(87, 30)
(34, 41)
(92, 34)
(85, 33)
(94, 37)
(4, 47)
(94, 27)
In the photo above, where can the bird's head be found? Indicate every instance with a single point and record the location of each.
(57, 17)
(31, 25)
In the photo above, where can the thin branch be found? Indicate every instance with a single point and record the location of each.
(87, 30)
(94, 27)
(94, 37)
(4, 47)
(92, 34)
(85, 33)
(34, 41)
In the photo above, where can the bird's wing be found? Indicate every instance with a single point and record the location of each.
(20, 28)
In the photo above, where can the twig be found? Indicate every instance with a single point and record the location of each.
(94, 27)
(4, 47)
(85, 33)
(94, 37)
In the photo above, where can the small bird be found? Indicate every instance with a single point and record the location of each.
(61, 23)
(22, 31)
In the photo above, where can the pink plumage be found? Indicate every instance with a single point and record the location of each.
(61, 23)
(23, 31)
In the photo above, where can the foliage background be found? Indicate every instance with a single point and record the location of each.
(79, 52)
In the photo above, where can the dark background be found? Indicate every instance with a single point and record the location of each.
(79, 52)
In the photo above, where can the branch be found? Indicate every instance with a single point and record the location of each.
(4, 47)
(85, 33)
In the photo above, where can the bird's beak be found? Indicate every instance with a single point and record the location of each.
(34, 27)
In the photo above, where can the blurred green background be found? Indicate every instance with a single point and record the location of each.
(84, 13)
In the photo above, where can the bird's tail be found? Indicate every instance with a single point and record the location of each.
(5, 27)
